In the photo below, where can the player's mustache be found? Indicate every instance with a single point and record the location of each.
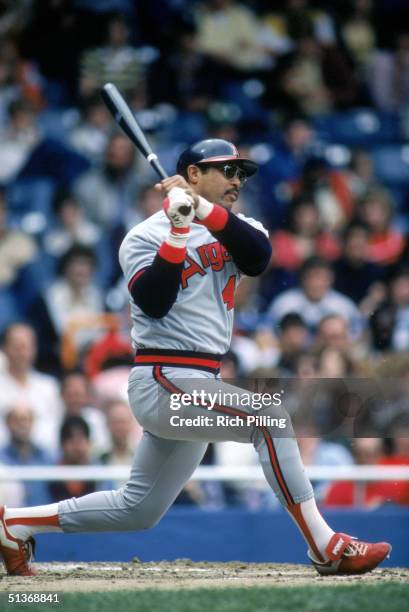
(232, 191)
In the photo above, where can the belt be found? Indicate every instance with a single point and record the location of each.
(178, 359)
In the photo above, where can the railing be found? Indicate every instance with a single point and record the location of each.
(219, 473)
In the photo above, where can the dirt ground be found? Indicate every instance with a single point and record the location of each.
(183, 573)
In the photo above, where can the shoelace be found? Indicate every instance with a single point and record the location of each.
(356, 549)
(28, 548)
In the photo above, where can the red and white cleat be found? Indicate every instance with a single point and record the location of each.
(16, 554)
(347, 555)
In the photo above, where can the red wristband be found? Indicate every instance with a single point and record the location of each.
(217, 219)
(172, 254)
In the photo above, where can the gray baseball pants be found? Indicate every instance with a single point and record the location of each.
(167, 456)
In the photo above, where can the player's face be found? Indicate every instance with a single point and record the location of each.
(220, 184)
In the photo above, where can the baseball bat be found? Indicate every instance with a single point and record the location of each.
(126, 120)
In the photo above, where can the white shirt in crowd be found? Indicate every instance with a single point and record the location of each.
(41, 392)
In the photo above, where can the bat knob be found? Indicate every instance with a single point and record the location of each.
(185, 210)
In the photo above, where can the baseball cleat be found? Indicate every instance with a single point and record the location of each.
(347, 555)
(16, 554)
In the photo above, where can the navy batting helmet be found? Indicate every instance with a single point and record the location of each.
(214, 151)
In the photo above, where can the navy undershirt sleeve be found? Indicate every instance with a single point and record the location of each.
(156, 289)
(249, 247)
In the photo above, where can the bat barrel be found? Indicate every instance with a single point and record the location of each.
(126, 120)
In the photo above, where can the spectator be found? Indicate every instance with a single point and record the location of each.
(390, 322)
(359, 35)
(228, 33)
(252, 496)
(107, 193)
(125, 433)
(313, 78)
(315, 298)
(26, 153)
(76, 450)
(71, 227)
(17, 251)
(148, 202)
(57, 53)
(305, 237)
(18, 139)
(332, 332)
(356, 276)
(117, 62)
(306, 365)
(298, 18)
(90, 136)
(398, 434)
(78, 400)
(295, 142)
(329, 189)
(315, 450)
(229, 366)
(334, 363)
(386, 243)
(21, 450)
(252, 351)
(367, 451)
(20, 382)
(181, 76)
(388, 76)
(19, 78)
(108, 363)
(70, 297)
(361, 173)
(293, 340)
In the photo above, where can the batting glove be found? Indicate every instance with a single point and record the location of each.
(179, 209)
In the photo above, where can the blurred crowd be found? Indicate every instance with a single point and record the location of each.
(317, 93)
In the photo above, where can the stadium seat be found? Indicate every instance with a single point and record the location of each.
(187, 127)
(58, 123)
(392, 165)
(9, 310)
(361, 127)
(30, 195)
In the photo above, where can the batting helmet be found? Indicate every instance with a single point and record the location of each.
(213, 151)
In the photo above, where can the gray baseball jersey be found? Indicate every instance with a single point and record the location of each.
(202, 316)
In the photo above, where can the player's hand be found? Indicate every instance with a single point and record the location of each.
(172, 181)
(179, 207)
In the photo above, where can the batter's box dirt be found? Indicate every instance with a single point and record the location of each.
(182, 573)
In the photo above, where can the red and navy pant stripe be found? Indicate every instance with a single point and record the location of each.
(228, 410)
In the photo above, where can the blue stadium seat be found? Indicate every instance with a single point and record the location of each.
(360, 127)
(9, 310)
(30, 195)
(247, 98)
(187, 127)
(392, 165)
(58, 123)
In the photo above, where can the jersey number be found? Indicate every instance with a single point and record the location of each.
(228, 292)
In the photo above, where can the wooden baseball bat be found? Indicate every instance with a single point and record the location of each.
(126, 120)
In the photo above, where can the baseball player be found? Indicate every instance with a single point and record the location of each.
(182, 266)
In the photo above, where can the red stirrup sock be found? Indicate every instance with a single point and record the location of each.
(313, 527)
